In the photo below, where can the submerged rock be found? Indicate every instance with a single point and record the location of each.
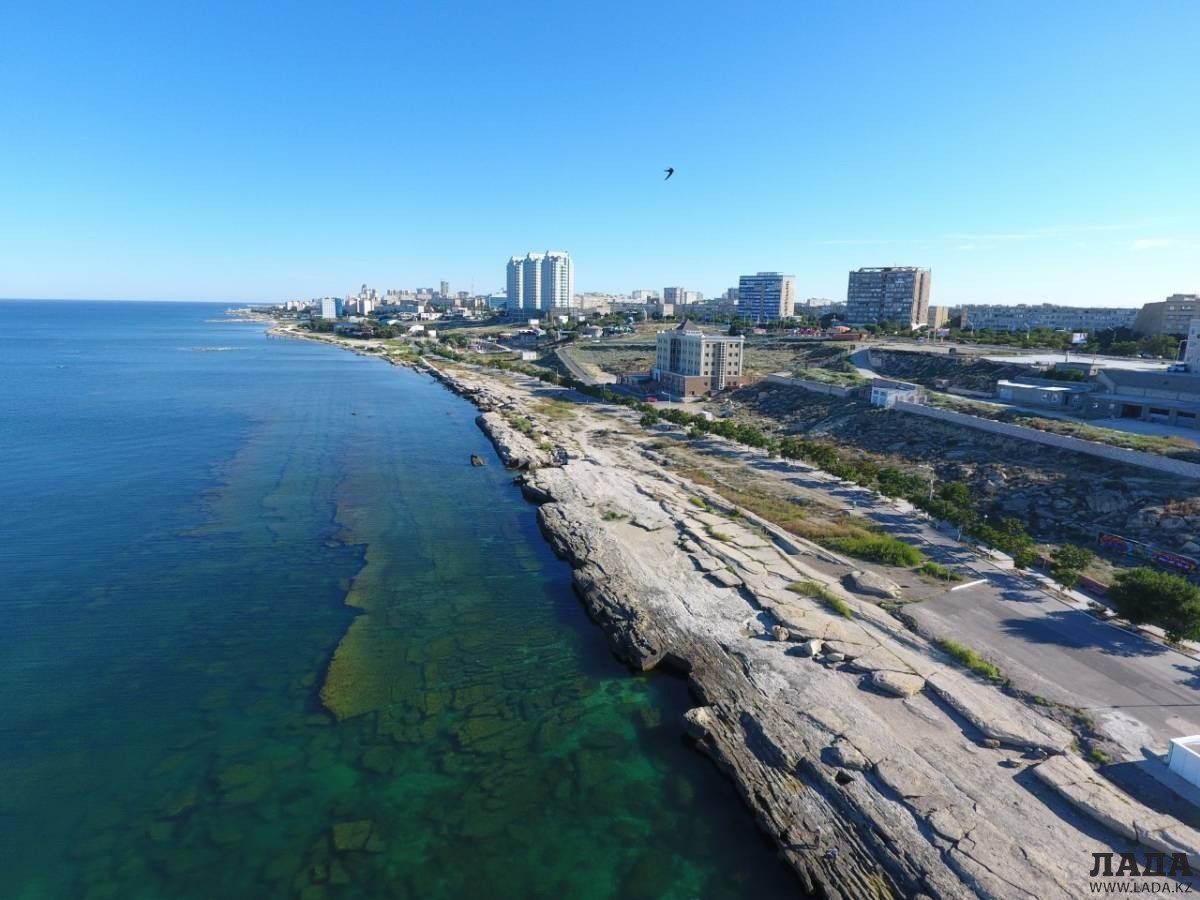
(351, 835)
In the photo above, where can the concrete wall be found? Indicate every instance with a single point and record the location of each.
(816, 387)
(1063, 442)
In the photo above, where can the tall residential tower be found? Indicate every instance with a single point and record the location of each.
(540, 282)
(888, 294)
(766, 297)
(558, 280)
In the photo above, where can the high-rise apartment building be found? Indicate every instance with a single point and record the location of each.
(539, 282)
(444, 289)
(766, 297)
(676, 296)
(888, 294)
(558, 280)
(531, 283)
(516, 285)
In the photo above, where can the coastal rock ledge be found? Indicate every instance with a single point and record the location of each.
(883, 771)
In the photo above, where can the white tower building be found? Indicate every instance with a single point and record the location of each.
(558, 280)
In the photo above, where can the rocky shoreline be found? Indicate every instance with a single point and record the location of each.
(877, 767)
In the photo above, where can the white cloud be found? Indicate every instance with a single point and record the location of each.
(1152, 243)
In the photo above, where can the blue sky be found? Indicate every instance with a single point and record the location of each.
(1025, 152)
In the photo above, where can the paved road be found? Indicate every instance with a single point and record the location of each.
(579, 371)
(1140, 693)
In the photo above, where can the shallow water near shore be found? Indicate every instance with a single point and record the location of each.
(198, 548)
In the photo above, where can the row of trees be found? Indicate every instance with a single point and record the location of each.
(1111, 341)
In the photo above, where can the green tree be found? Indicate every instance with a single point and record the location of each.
(1158, 598)
(1067, 561)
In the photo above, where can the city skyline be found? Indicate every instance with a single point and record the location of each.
(141, 170)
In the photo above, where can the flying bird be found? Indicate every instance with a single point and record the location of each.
(669, 172)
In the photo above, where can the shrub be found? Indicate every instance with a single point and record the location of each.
(937, 570)
(1067, 561)
(972, 660)
(880, 548)
(1158, 598)
(822, 593)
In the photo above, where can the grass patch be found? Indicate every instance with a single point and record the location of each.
(822, 593)
(1098, 756)
(555, 409)
(880, 548)
(613, 516)
(938, 571)
(852, 535)
(522, 424)
(698, 502)
(717, 535)
(830, 376)
(787, 514)
(971, 660)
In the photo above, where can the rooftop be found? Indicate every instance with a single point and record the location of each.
(1181, 382)
(1045, 386)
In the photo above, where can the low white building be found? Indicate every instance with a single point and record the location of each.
(1183, 758)
(885, 392)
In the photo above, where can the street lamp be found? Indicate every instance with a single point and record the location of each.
(932, 475)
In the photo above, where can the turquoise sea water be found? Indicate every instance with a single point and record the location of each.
(187, 511)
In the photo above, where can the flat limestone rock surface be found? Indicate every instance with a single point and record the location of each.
(887, 774)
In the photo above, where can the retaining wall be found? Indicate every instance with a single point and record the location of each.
(1061, 441)
(816, 387)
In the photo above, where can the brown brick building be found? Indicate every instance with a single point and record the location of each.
(690, 363)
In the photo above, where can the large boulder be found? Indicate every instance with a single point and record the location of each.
(811, 647)
(871, 584)
(899, 684)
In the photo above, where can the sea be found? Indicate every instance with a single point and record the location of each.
(266, 632)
